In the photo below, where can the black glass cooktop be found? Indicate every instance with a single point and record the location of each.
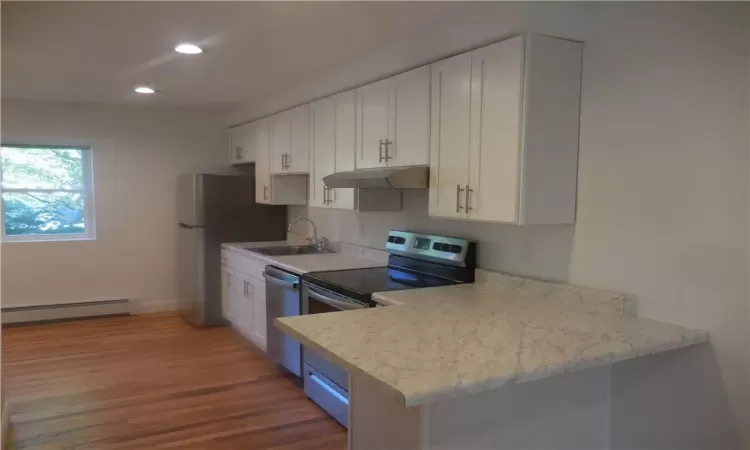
(362, 283)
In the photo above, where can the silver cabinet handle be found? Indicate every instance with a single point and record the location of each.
(387, 143)
(468, 198)
(265, 192)
(325, 195)
(283, 161)
(288, 157)
(458, 198)
(381, 158)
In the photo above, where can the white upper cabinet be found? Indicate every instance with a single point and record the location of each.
(451, 113)
(505, 122)
(242, 144)
(322, 150)
(393, 121)
(496, 105)
(409, 141)
(269, 189)
(290, 141)
(374, 102)
(332, 149)
(346, 142)
(263, 163)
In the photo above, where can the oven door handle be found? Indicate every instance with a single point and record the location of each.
(338, 304)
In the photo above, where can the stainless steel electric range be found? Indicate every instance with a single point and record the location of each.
(416, 261)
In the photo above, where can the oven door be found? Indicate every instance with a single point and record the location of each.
(326, 383)
(316, 300)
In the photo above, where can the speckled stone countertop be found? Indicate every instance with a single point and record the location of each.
(450, 341)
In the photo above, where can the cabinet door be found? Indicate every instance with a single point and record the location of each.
(345, 105)
(323, 150)
(234, 301)
(259, 312)
(226, 292)
(237, 144)
(245, 319)
(450, 130)
(263, 187)
(250, 143)
(281, 141)
(298, 158)
(409, 141)
(374, 110)
(496, 91)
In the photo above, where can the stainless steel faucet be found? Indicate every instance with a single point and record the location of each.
(321, 244)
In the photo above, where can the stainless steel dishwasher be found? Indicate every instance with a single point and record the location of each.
(282, 300)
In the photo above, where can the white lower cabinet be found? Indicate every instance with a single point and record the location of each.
(259, 312)
(227, 300)
(505, 120)
(243, 302)
(245, 309)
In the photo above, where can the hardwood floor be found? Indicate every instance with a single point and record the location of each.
(153, 382)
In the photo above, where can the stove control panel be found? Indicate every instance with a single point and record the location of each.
(447, 250)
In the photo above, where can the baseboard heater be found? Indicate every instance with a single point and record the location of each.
(65, 311)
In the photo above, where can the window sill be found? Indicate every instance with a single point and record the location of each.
(47, 240)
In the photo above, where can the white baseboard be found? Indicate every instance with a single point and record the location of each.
(145, 306)
(63, 311)
(5, 426)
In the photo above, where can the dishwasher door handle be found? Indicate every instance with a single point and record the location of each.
(278, 282)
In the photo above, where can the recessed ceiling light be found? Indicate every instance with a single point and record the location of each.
(144, 90)
(188, 49)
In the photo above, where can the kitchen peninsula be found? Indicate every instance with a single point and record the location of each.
(504, 363)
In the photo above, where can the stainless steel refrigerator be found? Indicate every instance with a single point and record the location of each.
(212, 210)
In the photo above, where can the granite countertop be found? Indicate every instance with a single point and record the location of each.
(346, 256)
(450, 341)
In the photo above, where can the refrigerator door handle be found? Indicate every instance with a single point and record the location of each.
(190, 227)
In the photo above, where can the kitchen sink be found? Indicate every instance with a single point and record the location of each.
(288, 250)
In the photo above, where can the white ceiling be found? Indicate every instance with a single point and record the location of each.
(98, 51)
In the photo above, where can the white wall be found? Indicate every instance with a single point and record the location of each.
(137, 152)
(664, 162)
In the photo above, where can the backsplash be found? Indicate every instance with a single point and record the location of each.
(542, 251)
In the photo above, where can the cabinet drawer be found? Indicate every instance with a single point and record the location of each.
(244, 263)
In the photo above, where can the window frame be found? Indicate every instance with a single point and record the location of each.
(87, 191)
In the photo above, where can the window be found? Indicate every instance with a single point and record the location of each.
(47, 193)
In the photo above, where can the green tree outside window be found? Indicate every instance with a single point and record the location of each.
(45, 191)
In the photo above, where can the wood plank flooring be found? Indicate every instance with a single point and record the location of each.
(153, 382)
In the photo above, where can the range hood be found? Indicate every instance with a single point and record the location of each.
(413, 177)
